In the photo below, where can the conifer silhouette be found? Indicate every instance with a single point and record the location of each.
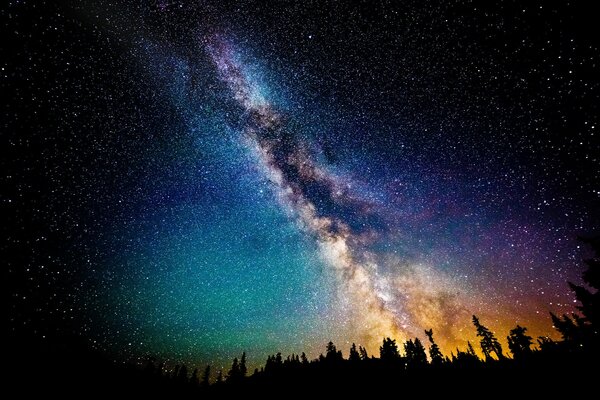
(519, 343)
(582, 331)
(243, 369)
(206, 376)
(489, 343)
(353, 356)
(389, 350)
(434, 351)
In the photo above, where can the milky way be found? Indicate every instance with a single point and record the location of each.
(377, 306)
(191, 180)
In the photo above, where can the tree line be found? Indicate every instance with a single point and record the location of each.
(579, 344)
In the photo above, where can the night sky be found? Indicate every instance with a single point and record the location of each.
(190, 180)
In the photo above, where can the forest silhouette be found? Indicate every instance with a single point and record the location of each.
(537, 366)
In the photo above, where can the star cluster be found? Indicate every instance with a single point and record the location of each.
(190, 180)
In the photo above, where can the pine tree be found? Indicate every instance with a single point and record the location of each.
(519, 343)
(219, 377)
(489, 343)
(545, 343)
(470, 349)
(434, 351)
(389, 350)
(234, 373)
(303, 359)
(354, 356)
(331, 351)
(590, 301)
(243, 369)
(332, 354)
(415, 353)
(419, 352)
(466, 359)
(567, 328)
(363, 353)
(206, 376)
(582, 331)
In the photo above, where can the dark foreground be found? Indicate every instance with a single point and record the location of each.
(69, 373)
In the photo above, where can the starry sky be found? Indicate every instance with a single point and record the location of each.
(190, 180)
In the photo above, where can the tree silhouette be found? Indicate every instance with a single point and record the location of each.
(519, 343)
(465, 359)
(579, 332)
(590, 301)
(331, 350)
(415, 353)
(206, 376)
(274, 363)
(243, 369)
(292, 361)
(545, 343)
(234, 373)
(570, 331)
(303, 359)
(470, 349)
(389, 350)
(582, 330)
(354, 356)
(434, 351)
(363, 353)
(489, 343)
(332, 354)
(270, 364)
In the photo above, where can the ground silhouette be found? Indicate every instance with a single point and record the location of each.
(70, 370)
